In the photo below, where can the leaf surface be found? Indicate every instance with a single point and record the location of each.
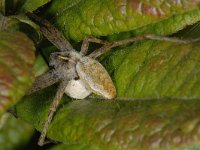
(14, 133)
(16, 67)
(156, 69)
(21, 6)
(78, 18)
(87, 147)
(121, 125)
(30, 5)
(20, 23)
(75, 147)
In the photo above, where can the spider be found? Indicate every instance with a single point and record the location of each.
(78, 74)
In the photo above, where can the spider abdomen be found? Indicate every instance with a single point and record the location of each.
(95, 77)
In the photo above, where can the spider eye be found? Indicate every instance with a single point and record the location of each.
(63, 57)
(76, 78)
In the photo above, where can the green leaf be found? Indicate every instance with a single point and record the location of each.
(14, 133)
(104, 17)
(156, 69)
(20, 6)
(75, 147)
(40, 66)
(8, 23)
(20, 23)
(172, 24)
(88, 147)
(135, 125)
(2, 7)
(16, 67)
(27, 26)
(196, 147)
(164, 27)
(30, 5)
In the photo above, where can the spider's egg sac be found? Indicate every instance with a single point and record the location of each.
(95, 77)
(76, 89)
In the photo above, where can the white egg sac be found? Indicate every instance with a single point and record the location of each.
(76, 89)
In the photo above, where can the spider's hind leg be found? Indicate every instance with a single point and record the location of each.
(87, 40)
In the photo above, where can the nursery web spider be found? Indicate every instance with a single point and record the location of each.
(78, 75)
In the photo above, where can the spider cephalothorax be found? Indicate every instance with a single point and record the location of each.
(63, 65)
(79, 75)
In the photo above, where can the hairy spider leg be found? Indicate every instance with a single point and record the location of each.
(52, 34)
(42, 82)
(105, 48)
(87, 40)
(53, 108)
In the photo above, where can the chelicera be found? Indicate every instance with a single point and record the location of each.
(77, 73)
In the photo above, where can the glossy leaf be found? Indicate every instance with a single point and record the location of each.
(7, 23)
(30, 5)
(16, 67)
(104, 17)
(2, 6)
(164, 27)
(20, 23)
(87, 147)
(20, 6)
(14, 133)
(40, 66)
(156, 69)
(75, 147)
(136, 125)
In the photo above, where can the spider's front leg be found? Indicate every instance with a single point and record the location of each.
(43, 81)
(111, 45)
(51, 33)
(87, 40)
(53, 108)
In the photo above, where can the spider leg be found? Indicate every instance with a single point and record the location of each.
(49, 141)
(53, 107)
(42, 82)
(51, 33)
(87, 40)
(171, 39)
(110, 45)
